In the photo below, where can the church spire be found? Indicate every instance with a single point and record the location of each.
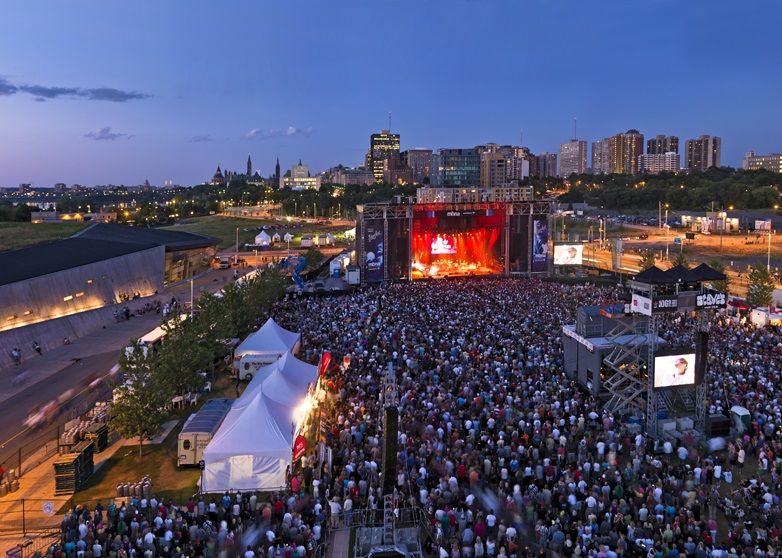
(249, 166)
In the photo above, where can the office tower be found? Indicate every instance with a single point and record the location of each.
(460, 167)
(771, 162)
(703, 152)
(662, 144)
(658, 162)
(502, 165)
(572, 157)
(298, 178)
(419, 161)
(382, 146)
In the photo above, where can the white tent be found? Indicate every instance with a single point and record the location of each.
(270, 338)
(350, 233)
(292, 370)
(252, 449)
(263, 239)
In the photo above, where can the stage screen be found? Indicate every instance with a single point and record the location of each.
(539, 243)
(457, 243)
(674, 370)
(568, 254)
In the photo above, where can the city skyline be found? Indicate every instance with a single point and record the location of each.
(150, 94)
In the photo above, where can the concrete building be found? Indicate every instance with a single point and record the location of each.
(547, 165)
(298, 178)
(572, 157)
(658, 162)
(353, 177)
(503, 167)
(57, 217)
(185, 254)
(419, 161)
(382, 146)
(474, 195)
(601, 157)
(459, 167)
(396, 172)
(618, 154)
(661, 144)
(771, 162)
(703, 152)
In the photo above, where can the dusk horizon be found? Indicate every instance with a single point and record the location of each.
(170, 92)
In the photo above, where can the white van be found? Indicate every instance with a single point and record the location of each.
(199, 429)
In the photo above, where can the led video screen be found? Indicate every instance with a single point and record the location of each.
(568, 254)
(674, 370)
(457, 243)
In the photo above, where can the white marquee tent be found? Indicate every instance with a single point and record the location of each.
(263, 239)
(251, 450)
(253, 447)
(270, 338)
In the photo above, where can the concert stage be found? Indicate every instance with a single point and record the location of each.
(443, 240)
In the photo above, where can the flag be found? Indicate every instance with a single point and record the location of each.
(325, 360)
(299, 447)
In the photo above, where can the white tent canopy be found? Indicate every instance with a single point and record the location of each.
(254, 445)
(293, 370)
(270, 338)
(263, 239)
(252, 449)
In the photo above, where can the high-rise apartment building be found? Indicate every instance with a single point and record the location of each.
(601, 159)
(459, 167)
(547, 165)
(771, 162)
(653, 163)
(502, 165)
(661, 144)
(618, 154)
(572, 157)
(382, 146)
(419, 161)
(703, 152)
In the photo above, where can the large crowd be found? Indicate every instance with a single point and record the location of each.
(503, 453)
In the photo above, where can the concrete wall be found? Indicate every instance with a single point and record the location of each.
(36, 309)
(50, 334)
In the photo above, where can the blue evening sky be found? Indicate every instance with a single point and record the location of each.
(100, 92)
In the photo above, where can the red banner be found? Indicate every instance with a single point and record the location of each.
(299, 447)
(325, 360)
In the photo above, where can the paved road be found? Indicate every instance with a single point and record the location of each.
(42, 379)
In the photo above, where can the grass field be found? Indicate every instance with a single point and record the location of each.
(224, 228)
(15, 235)
(159, 461)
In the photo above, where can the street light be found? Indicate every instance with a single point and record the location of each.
(236, 258)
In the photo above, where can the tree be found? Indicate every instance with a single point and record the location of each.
(761, 287)
(139, 409)
(722, 286)
(647, 259)
(313, 257)
(681, 259)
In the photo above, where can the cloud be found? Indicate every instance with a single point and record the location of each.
(105, 134)
(289, 132)
(43, 92)
(111, 94)
(201, 138)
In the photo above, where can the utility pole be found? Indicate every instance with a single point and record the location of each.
(768, 255)
(236, 261)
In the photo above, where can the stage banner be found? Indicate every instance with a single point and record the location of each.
(539, 243)
(374, 248)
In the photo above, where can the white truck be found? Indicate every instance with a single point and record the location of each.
(199, 429)
(246, 365)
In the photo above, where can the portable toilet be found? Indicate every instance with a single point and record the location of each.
(741, 418)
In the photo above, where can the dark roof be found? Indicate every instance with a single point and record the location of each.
(51, 257)
(653, 275)
(656, 276)
(172, 240)
(706, 273)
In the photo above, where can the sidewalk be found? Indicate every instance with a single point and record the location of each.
(35, 502)
(15, 379)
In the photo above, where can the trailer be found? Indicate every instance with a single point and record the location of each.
(199, 429)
